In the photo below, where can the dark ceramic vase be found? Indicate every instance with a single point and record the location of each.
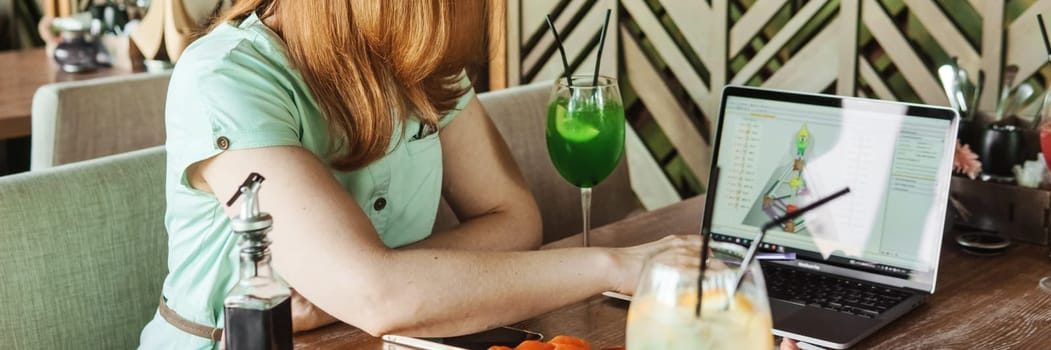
(76, 54)
(1001, 150)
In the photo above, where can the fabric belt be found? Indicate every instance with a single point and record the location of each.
(188, 326)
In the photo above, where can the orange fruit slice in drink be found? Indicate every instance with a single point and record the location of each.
(716, 299)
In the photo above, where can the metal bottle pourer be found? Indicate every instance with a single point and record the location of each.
(250, 219)
(251, 223)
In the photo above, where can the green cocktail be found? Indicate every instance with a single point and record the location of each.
(586, 142)
(585, 134)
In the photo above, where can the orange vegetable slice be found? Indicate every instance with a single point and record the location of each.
(565, 342)
(534, 345)
(497, 347)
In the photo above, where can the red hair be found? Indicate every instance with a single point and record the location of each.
(370, 63)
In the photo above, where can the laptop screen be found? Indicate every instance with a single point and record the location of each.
(779, 151)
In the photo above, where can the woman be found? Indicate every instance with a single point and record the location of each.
(340, 104)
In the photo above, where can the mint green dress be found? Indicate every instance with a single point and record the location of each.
(235, 89)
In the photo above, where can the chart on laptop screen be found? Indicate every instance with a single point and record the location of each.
(778, 156)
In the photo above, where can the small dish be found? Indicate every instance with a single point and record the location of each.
(982, 242)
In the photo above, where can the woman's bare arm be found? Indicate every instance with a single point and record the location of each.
(484, 187)
(327, 249)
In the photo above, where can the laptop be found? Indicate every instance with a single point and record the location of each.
(870, 258)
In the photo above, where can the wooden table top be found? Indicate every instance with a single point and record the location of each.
(980, 302)
(23, 72)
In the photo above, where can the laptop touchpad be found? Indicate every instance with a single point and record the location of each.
(782, 311)
(825, 325)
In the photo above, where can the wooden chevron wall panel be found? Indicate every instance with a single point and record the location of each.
(676, 55)
(579, 22)
(669, 66)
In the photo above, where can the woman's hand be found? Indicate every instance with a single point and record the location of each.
(306, 316)
(630, 260)
(788, 344)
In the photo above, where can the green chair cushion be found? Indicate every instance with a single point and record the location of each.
(82, 253)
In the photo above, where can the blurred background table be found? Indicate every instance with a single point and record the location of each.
(23, 72)
(981, 302)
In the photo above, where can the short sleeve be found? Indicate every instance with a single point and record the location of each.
(461, 104)
(248, 107)
(238, 100)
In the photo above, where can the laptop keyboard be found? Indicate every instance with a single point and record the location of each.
(849, 296)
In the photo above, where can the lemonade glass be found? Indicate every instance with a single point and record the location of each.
(585, 133)
(662, 313)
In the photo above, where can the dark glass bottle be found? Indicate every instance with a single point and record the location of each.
(258, 308)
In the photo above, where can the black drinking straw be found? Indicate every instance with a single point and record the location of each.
(561, 50)
(706, 235)
(601, 44)
(750, 255)
(1043, 32)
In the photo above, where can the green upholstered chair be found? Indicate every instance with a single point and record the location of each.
(82, 252)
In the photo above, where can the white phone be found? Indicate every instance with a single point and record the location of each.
(615, 295)
(502, 336)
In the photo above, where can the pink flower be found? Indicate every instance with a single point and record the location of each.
(966, 161)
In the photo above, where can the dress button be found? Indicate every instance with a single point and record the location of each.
(379, 204)
(222, 142)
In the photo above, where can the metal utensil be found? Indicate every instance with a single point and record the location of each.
(976, 95)
(1005, 89)
(961, 81)
(947, 75)
(1019, 98)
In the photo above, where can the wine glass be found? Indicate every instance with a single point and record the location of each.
(585, 133)
(663, 312)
